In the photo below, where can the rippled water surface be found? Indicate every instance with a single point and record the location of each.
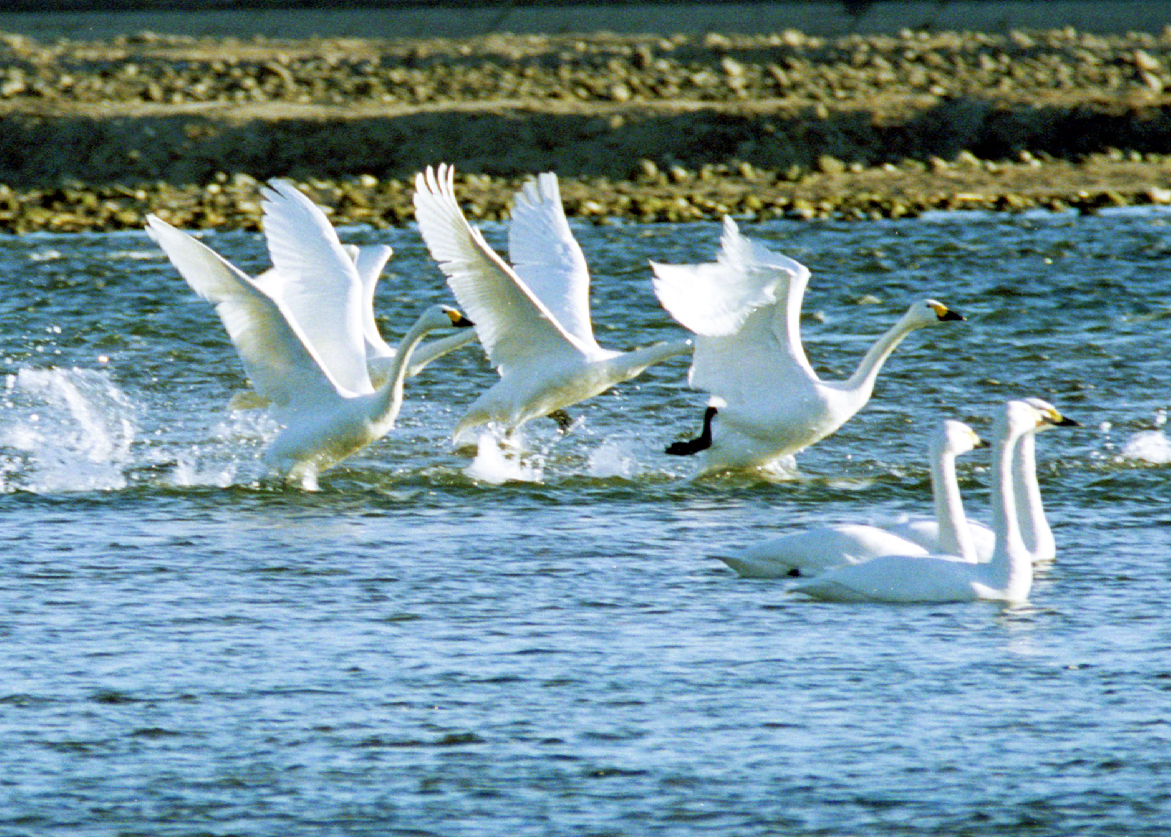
(440, 643)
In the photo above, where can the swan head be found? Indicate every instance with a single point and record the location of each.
(444, 316)
(1050, 415)
(1030, 414)
(955, 438)
(929, 312)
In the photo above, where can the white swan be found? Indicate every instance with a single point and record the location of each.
(949, 531)
(940, 534)
(813, 551)
(303, 307)
(767, 402)
(312, 372)
(1008, 576)
(532, 318)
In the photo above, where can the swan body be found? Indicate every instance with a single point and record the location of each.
(1007, 576)
(814, 551)
(532, 317)
(313, 371)
(744, 309)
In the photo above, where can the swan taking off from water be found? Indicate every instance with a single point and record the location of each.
(813, 551)
(303, 305)
(533, 317)
(369, 260)
(1008, 576)
(767, 402)
(312, 371)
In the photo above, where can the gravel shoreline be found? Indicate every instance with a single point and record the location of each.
(98, 133)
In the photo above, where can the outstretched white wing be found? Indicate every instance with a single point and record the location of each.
(274, 353)
(370, 261)
(548, 258)
(745, 309)
(716, 298)
(319, 283)
(513, 324)
(747, 365)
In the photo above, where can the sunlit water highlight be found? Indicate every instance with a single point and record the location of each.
(533, 639)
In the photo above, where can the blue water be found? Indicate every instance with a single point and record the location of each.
(435, 643)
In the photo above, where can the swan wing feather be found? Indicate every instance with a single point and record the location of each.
(369, 262)
(546, 256)
(750, 365)
(511, 321)
(280, 364)
(715, 298)
(320, 284)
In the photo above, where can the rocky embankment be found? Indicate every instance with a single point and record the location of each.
(93, 135)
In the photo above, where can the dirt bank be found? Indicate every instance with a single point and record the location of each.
(96, 133)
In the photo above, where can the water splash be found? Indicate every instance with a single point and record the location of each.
(64, 430)
(1148, 446)
(612, 459)
(498, 462)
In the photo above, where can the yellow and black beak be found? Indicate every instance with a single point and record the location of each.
(944, 313)
(459, 320)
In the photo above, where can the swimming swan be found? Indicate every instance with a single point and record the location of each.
(744, 309)
(1008, 576)
(813, 551)
(313, 373)
(949, 531)
(1030, 511)
(533, 317)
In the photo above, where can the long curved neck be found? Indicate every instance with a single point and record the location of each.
(388, 399)
(1035, 531)
(628, 364)
(954, 536)
(1011, 568)
(861, 383)
(438, 348)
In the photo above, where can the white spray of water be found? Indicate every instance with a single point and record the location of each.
(68, 430)
(612, 459)
(499, 462)
(1148, 446)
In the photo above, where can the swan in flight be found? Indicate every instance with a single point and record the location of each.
(1008, 576)
(532, 317)
(767, 402)
(369, 261)
(813, 551)
(313, 371)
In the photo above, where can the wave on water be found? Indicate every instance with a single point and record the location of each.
(64, 430)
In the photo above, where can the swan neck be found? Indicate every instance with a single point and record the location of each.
(389, 398)
(954, 536)
(862, 381)
(1011, 565)
(1035, 531)
(629, 364)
